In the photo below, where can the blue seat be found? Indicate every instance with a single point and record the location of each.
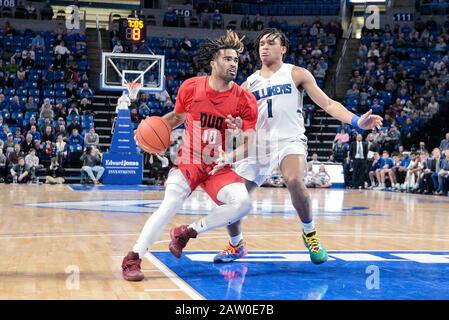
(34, 92)
(49, 93)
(17, 116)
(9, 92)
(29, 115)
(60, 94)
(6, 115)
(59, 86)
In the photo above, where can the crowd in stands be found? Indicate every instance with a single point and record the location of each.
(401, 73)
(46, 112)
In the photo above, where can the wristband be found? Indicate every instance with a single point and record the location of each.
(355, 121)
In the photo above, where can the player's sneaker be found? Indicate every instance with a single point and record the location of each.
(231, 253)
(131, 267)
(318, 253)
(179, 238)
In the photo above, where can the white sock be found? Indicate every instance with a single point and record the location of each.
(236, 239)
(173, 199)
(199, 226)
(309, 227)
(236, 205)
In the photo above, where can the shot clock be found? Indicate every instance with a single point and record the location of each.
(132, 30)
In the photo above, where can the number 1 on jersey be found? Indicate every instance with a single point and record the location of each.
(270, 108)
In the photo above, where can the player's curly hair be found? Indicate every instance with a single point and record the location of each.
(211, 48)
(277, 34)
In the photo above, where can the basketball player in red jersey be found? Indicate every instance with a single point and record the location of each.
(203, 103)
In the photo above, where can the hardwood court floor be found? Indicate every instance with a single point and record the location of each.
(49, 233)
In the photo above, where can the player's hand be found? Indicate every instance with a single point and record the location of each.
(234, 124)
(221, 161)
(370, 121)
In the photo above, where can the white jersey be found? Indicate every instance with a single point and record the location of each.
(280, 106)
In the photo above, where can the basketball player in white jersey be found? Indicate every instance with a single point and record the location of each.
(279, 88)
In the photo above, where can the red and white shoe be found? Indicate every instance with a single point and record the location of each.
(179, 238)
(131, 267)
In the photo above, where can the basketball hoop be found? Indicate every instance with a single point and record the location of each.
(133, 89)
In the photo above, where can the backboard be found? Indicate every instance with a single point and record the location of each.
(119, 68)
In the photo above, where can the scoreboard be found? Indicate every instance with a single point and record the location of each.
(132, 30)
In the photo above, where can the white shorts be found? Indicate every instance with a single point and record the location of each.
(258, 170)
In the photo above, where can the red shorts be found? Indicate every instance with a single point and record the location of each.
(198, 175)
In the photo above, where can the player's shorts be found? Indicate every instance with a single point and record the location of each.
(198, 175)
(258, 169)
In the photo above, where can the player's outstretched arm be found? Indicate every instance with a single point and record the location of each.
(175, 119)
(304, 78)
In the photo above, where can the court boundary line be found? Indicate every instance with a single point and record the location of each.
(173, 277)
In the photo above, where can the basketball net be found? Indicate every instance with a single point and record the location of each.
(133, 89)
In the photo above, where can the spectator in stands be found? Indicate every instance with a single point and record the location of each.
(62, 132)
(392, 139)
(91, 160)
(59, 63)
(60, 111)
(319, 73)
(76, 142)
(9, 144)
(422, 147)
(8, 29)
(30, 11)
(434, 106)
(385, 165)
(36, 134)
(205, 19)
(91, 138)
(28, 143)
(47, 112)
(3, 106)
(73, 110)
(245, 24)
(30, 106)
(74, 125)
(86, 107)
(407, 133)
(4, 133)
(15, 105)
(62, 50)
(170, 19)
(61, 149)
(257, 23)
(341, 137)
(33, 164)
(13, 157)
(47, 123)
(19, 173)
(47, 11)
(18, 138)
(218, 21)
(38, 42)
(55, 172)
(3, 167)
(340, 151)
(430, 173)
(118, 48)
(48, 134)
(444, 144)
(85, 91)
(322, 179)
(358, 153)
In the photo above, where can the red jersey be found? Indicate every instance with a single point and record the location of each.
(207, 111)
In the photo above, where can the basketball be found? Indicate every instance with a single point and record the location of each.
(153, 134)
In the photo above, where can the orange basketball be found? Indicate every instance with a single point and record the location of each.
(153, 134)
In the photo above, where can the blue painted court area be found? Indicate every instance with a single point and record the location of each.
(89, 187)
(289, 275)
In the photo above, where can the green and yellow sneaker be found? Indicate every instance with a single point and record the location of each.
(318, 253)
